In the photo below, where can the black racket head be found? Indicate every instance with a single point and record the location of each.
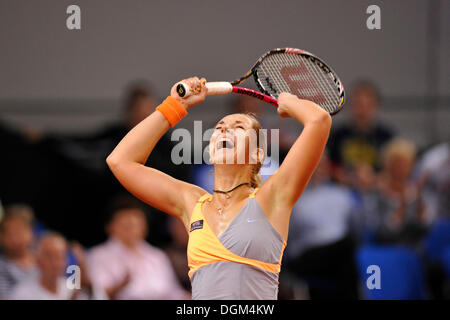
(301, 73)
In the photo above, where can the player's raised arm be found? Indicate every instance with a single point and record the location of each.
(288, 183)
(128, 158)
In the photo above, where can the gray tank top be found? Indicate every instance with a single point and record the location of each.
(249, 235)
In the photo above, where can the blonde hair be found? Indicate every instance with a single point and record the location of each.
(399, 146)
(255, 177)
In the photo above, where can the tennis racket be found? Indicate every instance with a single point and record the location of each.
(285, 70)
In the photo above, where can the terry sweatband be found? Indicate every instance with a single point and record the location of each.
(172, 110)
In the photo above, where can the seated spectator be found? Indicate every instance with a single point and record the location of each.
(359, 141)
(321, 249)
(398, 213)
(126, 266)
(50, 283)
(17, 262)
(434, 175)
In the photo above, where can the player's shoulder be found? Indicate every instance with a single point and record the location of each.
(191, 194)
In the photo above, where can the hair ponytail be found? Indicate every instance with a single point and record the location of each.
(255, 176)
(256, 179)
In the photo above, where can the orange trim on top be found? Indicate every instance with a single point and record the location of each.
(205, 248)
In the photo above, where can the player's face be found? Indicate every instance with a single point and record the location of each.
(233, 140)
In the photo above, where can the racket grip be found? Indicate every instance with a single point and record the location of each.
(214, 88)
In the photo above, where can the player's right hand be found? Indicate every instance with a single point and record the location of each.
(197, 85)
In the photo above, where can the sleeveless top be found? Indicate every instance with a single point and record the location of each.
(242, 263)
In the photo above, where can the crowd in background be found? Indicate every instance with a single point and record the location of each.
(372, 189)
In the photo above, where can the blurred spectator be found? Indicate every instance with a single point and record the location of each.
(321, 249)
(17, 262)
(434, 175)
(50, 284)
(68, 167)
(176, 251)
(90, 151)
(19, 161)
(359, 141)
(127, 267)
(396, 213)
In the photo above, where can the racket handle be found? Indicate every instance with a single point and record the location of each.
(223, 87)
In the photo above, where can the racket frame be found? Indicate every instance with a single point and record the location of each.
(264, 95)
(308, 55)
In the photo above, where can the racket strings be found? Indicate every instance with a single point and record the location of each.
(318, 79)
(304, 85)
(271, 69)
(326, 84)
(281, 72)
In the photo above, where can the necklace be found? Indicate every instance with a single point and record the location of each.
(226, 192)
(220, 210)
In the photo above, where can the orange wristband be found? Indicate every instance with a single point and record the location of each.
(172, 110)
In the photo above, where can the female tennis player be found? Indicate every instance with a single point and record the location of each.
(237, 235)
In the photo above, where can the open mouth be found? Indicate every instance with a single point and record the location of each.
(224, 144)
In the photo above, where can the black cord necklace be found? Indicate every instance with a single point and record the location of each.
(226, 192)
(220, 210)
